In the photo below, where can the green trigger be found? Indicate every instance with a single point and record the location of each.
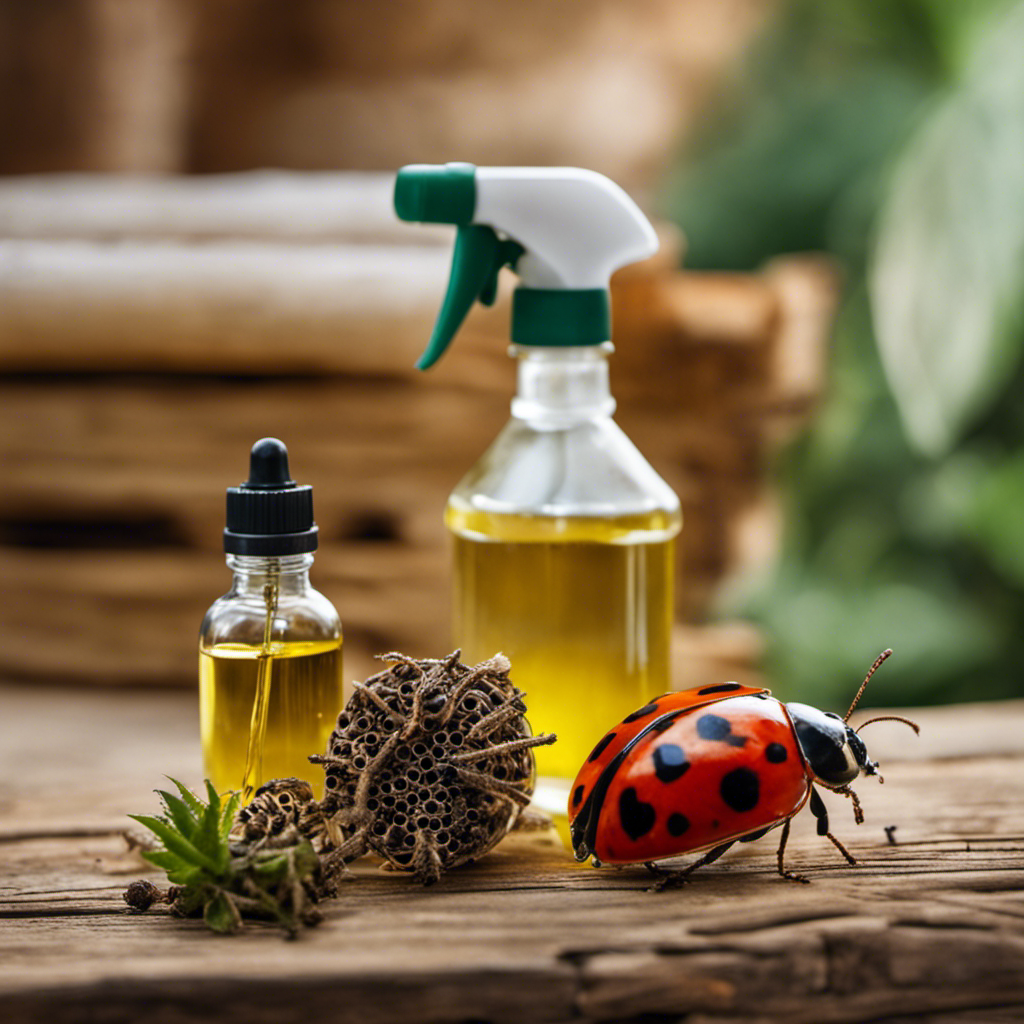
(476, 262)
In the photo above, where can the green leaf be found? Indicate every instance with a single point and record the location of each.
(994, 519)
(955, 25)
(213, 797)
(221, 915)
(190, 901)
(179, 871)
(195, 805)
(227, 815)
(269, 869)
(180, 814)
(947, 274)
(208, 838)
(175, 841)
(305, 859)
(166, 860)
(776, 183)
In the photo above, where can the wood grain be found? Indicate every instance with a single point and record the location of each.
(931, 928)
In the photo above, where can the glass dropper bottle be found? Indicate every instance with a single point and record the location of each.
(270, 659)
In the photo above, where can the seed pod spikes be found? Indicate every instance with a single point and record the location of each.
(430, 765)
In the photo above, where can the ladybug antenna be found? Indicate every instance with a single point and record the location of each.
(871, 671)
(891, 718)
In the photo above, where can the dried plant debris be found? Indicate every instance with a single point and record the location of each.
(225, 876)
(282, 810)
(429, 766)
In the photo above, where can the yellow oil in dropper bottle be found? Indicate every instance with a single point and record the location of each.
(270, 650)
(261, 702)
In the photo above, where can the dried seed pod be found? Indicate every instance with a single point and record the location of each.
(437, 764)
(141, 895)
(281, 808)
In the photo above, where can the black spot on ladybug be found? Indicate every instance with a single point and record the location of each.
(670, 762)
(577, 796)
(637, 817)
(677, 824)
(716, 824)
(601, 747)
(661, 726)
(741, 789)
(715, 727)
(776, 753)
(720, 688)
(647, 709)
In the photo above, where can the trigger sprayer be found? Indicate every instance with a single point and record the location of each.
(562, 230)
(563, 534)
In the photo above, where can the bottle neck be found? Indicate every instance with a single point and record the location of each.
(559, 387)
(290, 573)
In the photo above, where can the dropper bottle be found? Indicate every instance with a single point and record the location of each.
(270, 659)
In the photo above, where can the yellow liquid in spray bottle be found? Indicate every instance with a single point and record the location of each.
(583, 608)
(564, 540)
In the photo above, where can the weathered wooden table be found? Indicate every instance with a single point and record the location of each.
(929, 928)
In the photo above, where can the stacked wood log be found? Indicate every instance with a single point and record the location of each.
(151, 331)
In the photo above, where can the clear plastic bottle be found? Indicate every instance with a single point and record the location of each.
(564, 559)
(270, 649)
(563, 533)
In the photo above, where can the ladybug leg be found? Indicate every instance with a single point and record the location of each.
(791, 875)
(819, 811)
(671, 879)
(850, 859)
(858, 813)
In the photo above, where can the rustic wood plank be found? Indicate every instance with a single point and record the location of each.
(133, 617)
(148, 461)
(233, 306)
(347, 206)
(933, 925)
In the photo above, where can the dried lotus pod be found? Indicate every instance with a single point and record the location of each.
(430, 764)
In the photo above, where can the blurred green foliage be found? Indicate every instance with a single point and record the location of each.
(890, 134)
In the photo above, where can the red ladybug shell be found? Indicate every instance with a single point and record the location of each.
(632, 725)
(699, 773)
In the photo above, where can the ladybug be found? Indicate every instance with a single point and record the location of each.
(700, 769)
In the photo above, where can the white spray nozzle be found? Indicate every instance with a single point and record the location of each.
(563, 230)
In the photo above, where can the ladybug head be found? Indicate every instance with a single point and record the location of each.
(835, 754)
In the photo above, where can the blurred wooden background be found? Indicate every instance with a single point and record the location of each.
(188, 85)
(143, 353)
(154, 324)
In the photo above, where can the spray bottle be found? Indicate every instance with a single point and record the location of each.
(563, 533)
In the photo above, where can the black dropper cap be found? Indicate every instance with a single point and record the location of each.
(270, 514)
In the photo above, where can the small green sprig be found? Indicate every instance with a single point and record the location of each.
(225, 881)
